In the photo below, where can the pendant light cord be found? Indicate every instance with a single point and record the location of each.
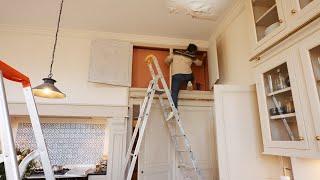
(55, 41)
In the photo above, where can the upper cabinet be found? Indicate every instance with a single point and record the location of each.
(288, 89)
(268, 19)
(276, 19)
(309, 50)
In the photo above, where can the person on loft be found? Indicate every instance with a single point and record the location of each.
(181, 61)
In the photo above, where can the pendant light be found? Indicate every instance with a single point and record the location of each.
(47, 89)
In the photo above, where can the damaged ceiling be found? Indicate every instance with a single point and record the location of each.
(169, 18)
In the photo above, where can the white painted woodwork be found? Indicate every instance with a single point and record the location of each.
(117, 147)
(310, 69)
(156, 155)
(238, 134)
(296, 50)
(198, 123)
(293, 13)
(111, 62)
(267, 128)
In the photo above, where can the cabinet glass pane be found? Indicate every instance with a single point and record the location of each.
(266, 17)
(315, 61)
(304, 3)
(280, 105)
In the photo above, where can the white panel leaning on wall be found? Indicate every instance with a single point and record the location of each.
(111, 62)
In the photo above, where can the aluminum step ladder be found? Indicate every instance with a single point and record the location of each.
(187, 162)
(8, 156)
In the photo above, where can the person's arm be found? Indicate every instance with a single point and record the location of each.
(169, 59)
(199, 62)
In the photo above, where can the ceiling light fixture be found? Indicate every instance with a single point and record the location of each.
(47, 89)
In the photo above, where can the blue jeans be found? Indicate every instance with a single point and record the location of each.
(177, 80)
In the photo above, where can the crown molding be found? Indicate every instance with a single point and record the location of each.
(227, 18)
(139, 40)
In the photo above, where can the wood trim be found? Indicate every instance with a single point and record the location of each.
(294, 31)
(71, 110)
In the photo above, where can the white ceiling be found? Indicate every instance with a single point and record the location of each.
(143, 17)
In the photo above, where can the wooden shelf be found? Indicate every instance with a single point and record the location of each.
(283, 116)
(280, 91)
(263, 3)
(269, 17)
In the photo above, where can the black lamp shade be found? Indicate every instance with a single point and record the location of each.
(48, 90)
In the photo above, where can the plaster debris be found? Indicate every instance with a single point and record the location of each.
(195, 8)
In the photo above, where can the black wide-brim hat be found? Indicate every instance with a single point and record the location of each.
(191, 51)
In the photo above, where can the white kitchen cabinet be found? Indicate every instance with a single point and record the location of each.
(297, 60)
(274, 20)
(269, 19)
(303, 10)
(309, 50)
(281, 109)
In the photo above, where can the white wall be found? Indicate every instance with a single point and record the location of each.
(233, 45)
(234, 36)
(29, 50)
(30, 53)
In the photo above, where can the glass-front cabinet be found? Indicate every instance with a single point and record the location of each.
(268, 18)
(281, 112)
(310, 60)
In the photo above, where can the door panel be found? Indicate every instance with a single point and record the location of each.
(198, 125)
(279, 101)
(155, 158)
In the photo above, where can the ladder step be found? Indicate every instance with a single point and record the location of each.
(184, 150)
(185, 166)
(171, 116)
(131, 154)
(179, 135)
(160, 91)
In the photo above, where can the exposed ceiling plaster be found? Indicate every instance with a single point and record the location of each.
(145, 17)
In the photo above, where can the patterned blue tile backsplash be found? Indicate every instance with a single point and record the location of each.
(68, 143)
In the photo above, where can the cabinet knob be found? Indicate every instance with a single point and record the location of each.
(301, 138)
(280, 21)
(293, 11)
(317, 138)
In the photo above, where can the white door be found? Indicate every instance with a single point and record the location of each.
(156, 157)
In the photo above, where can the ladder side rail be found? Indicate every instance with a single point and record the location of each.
(174, 109)
(165, 87)
(141, 133)
(38, 134)
(136, 129)
(8, 148)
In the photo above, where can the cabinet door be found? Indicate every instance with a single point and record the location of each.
(156, 156)
(310, 60)
(300, 11)
(269, 19)
(281, 111)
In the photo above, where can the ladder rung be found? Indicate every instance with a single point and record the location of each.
(160, 91)
(183, 150)
(179, 135)
(186, 166)
(131, 154)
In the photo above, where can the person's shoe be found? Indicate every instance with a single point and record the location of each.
(170, 116)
